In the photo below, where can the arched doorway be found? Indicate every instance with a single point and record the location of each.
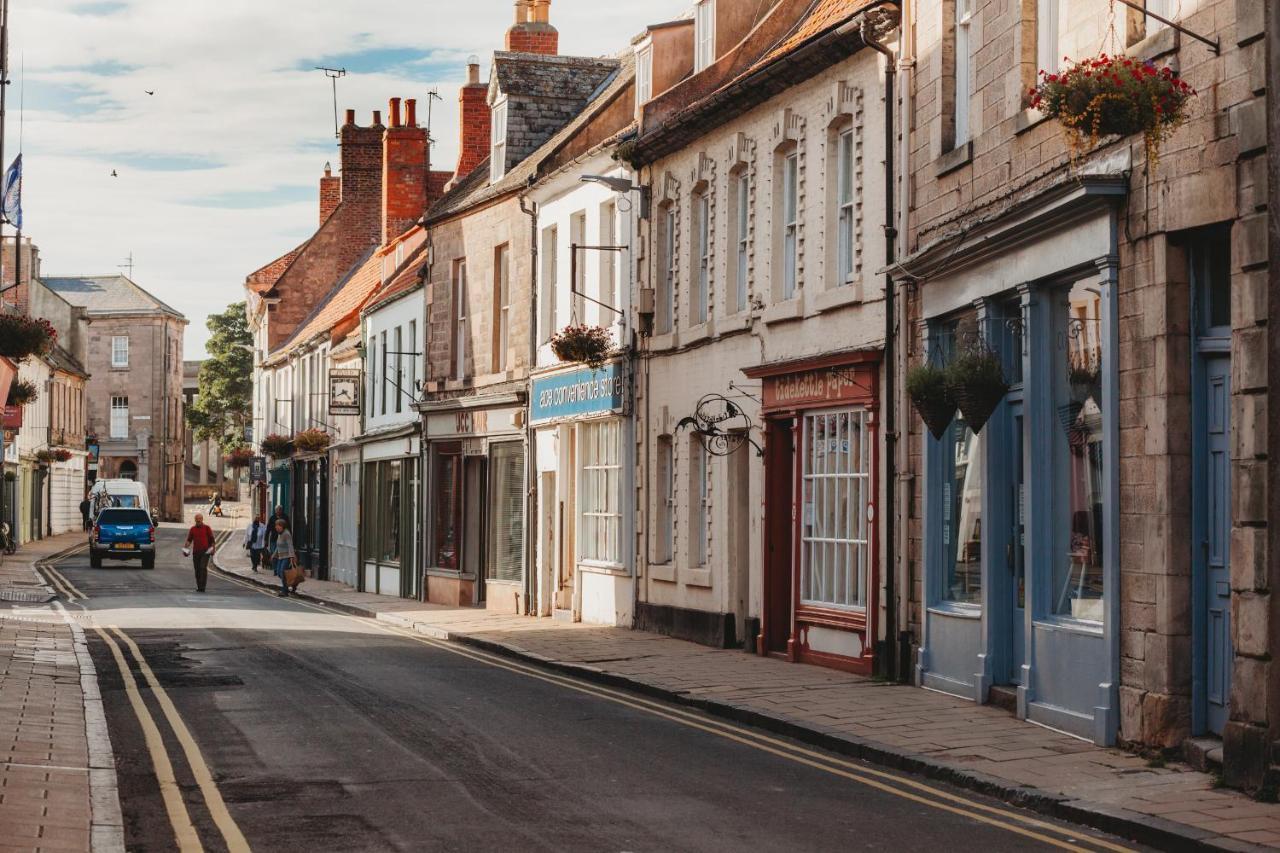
(128, 470)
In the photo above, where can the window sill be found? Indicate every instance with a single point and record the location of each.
(959, 156)
(1069, 625)
(700, 332)
(662, 572)
(1160, 43)
(956, 609)
(444, 573)
(665, 340)
(614, 569)
(697, 577)
(498, 582)
(1027, 119)
(838, 297)
(782, 312)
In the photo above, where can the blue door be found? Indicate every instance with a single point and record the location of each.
(1213, 532)
(1016, 548)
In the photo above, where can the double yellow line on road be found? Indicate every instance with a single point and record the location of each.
(59, 581)
(909, 789)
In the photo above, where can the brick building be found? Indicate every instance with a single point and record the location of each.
(1096, 556)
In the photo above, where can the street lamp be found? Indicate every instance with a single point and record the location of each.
(621, 185)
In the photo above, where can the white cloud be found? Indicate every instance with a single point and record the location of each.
(238, 118)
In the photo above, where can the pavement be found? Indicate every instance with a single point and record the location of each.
(241, 720)
(898, 726)
(57, 770)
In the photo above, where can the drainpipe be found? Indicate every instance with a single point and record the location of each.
(531, 605)
(889, 664)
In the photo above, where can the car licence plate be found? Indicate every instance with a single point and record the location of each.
(128, 546)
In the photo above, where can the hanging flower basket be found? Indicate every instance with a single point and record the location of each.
(1118, 95)
(22, 392)
(931, 395)
(44, 457)
(977, 382)
(239, 457)
(62, 454)
(22, 336)
(589, 345)
(277, 446)
(311, 440)
(10, 476)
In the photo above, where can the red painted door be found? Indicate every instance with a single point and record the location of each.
(779, 485)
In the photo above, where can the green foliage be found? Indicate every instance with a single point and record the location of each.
(224, 400)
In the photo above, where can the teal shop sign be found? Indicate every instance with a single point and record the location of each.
(578, 393)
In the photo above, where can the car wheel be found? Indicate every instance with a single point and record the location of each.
(149, 562)
(95, 560)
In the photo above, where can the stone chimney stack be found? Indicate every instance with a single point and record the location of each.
(330, 192)
(532, 31)
(473, 121)
(404, 171)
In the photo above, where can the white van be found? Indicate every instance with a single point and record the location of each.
(125, 493)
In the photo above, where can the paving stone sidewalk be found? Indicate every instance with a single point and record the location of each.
(891, 724)
(57, 771)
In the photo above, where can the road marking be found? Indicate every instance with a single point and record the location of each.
(63, 578)
(58, 582)
(831, 764)
(179, 818)
(231, 833)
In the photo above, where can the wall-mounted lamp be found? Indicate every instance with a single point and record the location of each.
(621, 185)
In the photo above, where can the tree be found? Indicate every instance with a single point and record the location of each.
(224, 399)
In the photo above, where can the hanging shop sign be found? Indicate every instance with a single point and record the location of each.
(258, 469)
(817, 382)
(344, 391)
(578, 393)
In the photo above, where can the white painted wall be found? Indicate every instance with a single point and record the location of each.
(402, 314)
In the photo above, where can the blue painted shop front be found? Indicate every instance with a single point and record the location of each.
(1021, 518)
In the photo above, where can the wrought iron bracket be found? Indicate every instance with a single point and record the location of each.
(1214, 44)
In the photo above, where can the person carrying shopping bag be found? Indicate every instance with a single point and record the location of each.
(255, 540)
(284, 559)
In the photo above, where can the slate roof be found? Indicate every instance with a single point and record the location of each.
(108, 294)
(562, 78)
(344, 300)
(475, 187)
(60, 359)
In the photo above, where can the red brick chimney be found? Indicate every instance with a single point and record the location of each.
(532, 32)
(362, 161)
(404, 171)
(330, 192)
(473, 122)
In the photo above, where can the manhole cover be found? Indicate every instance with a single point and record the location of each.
(32, 597)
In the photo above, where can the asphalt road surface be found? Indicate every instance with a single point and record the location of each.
(286, 727)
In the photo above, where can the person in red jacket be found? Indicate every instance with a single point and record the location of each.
(200, 541)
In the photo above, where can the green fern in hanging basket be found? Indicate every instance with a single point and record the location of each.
(977, 382)
(22, 392)
(931, 396)
(589, 345)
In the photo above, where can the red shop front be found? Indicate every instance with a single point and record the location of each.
(821, 553)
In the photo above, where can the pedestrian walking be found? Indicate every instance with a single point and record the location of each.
(84, 512)
(283, 557)
(200, 545)
(278, 515)
(255, 540)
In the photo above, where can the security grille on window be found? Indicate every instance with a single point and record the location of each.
(846, 241)
(702, 223)
(790, 223)
(835, 537)
(119, 417)
(599, 495)
(120, 351)
(498, 137)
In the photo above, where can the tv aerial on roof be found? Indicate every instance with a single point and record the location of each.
(333, 74)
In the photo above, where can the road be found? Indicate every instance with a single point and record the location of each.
(321, 731)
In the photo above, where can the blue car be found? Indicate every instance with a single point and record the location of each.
(123, 533)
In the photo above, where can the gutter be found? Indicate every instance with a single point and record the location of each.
(531, 434)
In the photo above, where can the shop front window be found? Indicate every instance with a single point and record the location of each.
(390, 488)
(506, 495)
(1077, 455)
(445, 550)
(835, 533)
(962, 514)
(600, 515)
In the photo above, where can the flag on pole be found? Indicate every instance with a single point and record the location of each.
(11, 198)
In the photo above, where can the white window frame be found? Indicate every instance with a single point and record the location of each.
(460, 319)
(790, 223)
(702, 256)
(704, 34)
(742, 220)
(119, 350)
(1162, 8)
(666, 497)
(644, 74)
(397, 384)
(835, 487)
(412, 387)
(498, 141)
(502, 298)
(608, 263)
(963, 55)
(699, 502)
(578, 286)
(1047, 53)
(667, 299)
(846, 213)
(550, 281)
(119, 416)
(599, 502)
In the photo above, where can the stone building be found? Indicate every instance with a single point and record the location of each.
(205, 472)
(1096, 556)
(133, 398)
(479, 316)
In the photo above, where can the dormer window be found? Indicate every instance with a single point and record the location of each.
(644, 74)
(704, 34)
(498, 142)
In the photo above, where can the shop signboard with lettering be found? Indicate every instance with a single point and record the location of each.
(578, 393)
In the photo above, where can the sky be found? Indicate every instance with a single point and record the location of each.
(217, 172)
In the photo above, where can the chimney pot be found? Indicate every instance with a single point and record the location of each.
(473, 72)
(393, 111)
(411, 112)
(328, 169)
(377, 117)
(351, 117)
